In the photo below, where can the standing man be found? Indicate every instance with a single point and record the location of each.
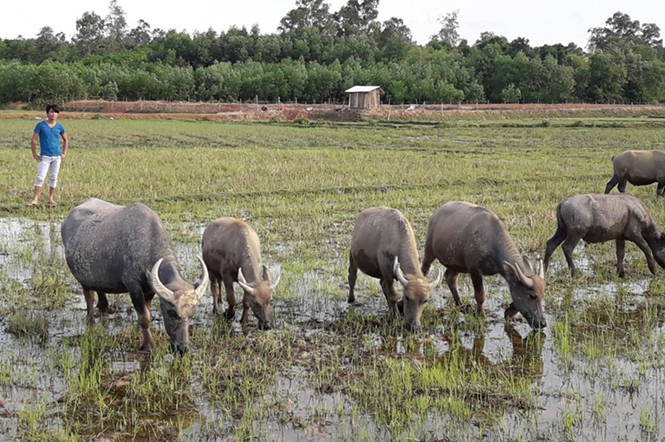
(49, 133)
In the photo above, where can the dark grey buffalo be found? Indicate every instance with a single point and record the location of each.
(232, 253)
(467, 238)
(599, 218)
(383, 246)
(639, 168)
(117, 249)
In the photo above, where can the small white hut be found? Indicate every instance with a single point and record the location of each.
(364, 97)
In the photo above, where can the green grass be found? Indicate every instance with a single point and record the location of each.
(301, 188)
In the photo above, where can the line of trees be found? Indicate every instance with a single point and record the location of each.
(317, 54)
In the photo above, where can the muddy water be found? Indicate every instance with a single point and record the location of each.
(586, 396)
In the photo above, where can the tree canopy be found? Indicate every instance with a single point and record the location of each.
(317, 53)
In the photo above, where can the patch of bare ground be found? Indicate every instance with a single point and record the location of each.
(159, 110)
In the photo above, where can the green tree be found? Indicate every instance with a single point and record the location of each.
(308, 14)
(511, 94)
(621, 30)
(395, 40)
(115, 28)
(607, 78)
(89, 34)
(140, 35)
(449, 32)
(357, 17)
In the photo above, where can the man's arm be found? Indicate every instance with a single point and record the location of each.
(33, 146)
(65, 145)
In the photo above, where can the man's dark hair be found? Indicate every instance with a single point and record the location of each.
(53, 107)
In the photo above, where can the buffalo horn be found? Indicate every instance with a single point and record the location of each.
(202, 284)
(243, 282)
(157, 285)
(528, 282)
(528, 263)
(276, 281)
(541, 270)
(398, 272)
(436, 282)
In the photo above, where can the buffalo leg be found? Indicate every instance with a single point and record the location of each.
(388, 287)
(353, 275)
(216, 295)
(622, 186)
(660, 190)
(143, 313)
(554, 242)
(611, 183)
(644, 247)
(478, 290)
(451, 279)
(102, 302)
(230, 298)
(89, 296)
(245, 311)
(621, 252)
(510, 311)
(568, 247)
(428, 259)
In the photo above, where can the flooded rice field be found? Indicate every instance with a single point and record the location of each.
(327, 370)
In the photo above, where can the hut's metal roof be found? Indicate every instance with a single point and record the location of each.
(363, 89)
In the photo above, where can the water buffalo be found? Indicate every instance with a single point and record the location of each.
(599, 218)
(383, 246)
(467, 238)
(639, 168)
(117, 249)
(229, 246)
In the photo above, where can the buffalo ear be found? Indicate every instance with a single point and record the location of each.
(511, 273)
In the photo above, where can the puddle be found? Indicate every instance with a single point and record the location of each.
(601, 378)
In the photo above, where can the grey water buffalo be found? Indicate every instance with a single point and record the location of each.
(232, 253)
(117, 249)
(598, 218)
(467, 238)
(383, 246)
(639, 168)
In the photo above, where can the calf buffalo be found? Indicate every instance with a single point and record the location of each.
(116, 249)
(229, 246)
(467, 238)
(383, 246)
(599, 218)
(639, 168)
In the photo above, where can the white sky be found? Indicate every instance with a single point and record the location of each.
(542, 22)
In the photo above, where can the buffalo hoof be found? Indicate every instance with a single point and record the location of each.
(539, 325)
(412, 328)
(265, 326)
(180, 349)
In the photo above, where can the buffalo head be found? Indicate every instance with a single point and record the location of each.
(258, 295)
(417, 290)
(178, 306)
(527, 293)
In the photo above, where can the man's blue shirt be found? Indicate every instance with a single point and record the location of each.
(49, 138)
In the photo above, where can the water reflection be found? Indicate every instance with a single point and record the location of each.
(525, 359)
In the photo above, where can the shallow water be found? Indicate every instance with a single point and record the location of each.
(594, 394)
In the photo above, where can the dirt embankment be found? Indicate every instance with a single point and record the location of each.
(286, 112)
